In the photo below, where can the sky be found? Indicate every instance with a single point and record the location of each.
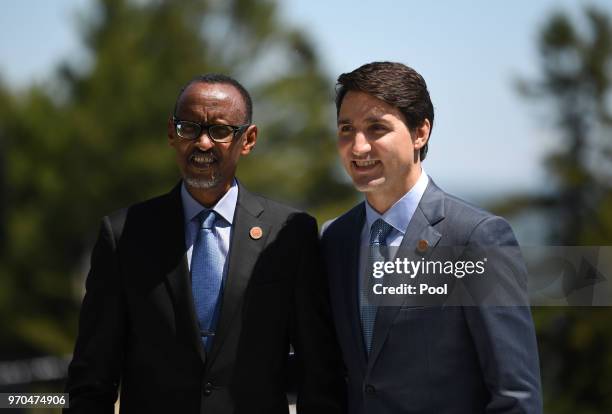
(487, 140)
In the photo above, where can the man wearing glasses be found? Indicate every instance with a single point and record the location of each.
(194, 297)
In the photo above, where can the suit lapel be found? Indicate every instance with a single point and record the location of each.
(243, 254)
(429, 212)
(178, 279)
(179, 284)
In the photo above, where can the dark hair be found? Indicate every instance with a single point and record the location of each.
(224, 79)
(395, 84)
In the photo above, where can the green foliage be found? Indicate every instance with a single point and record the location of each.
(575, 343)
(576, 80)
(95, 140)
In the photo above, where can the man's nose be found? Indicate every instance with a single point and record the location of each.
(361, 145)
(204, 142)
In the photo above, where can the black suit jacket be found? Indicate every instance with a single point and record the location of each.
(138, 327)
(438, 359)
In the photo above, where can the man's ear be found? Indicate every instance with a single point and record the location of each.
(249, 140)
(171, 136)
(421, 135)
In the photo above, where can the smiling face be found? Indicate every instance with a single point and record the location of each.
(208, 167)
(377, 149)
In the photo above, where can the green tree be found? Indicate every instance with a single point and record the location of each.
(575, 79)
(94, 140)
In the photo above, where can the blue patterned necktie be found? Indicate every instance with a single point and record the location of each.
(206, 276)
(378, 235)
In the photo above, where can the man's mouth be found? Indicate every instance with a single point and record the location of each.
(365, 164)
(202, 159)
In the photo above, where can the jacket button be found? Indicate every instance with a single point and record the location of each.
(208, 388)
(370, 390)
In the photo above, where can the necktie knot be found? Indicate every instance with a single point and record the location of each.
(379, 232)
(207, 219)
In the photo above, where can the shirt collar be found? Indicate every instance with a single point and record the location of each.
(400, 213)
(225, 207)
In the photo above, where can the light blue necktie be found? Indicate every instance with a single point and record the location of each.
(207, 276)
(378, 235)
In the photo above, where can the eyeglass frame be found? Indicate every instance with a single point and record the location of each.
(236, 130)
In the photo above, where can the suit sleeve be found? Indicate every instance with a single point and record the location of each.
(94, 373)
(502, 328)
(321, 384)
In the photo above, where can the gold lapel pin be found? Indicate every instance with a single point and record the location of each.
(422, 245)
(256, 233)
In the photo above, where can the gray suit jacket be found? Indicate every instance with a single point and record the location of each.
(435, 359)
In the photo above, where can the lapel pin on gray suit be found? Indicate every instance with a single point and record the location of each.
(404, 355)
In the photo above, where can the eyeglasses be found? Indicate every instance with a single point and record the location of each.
(216, 132)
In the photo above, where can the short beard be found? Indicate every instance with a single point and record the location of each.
(201, 183)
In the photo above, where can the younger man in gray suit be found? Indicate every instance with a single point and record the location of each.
(432, 358)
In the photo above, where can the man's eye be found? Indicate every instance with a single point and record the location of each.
(378, 128)
(187, 127)
(345, 129)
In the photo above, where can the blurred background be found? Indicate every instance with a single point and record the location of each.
(522, 93)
